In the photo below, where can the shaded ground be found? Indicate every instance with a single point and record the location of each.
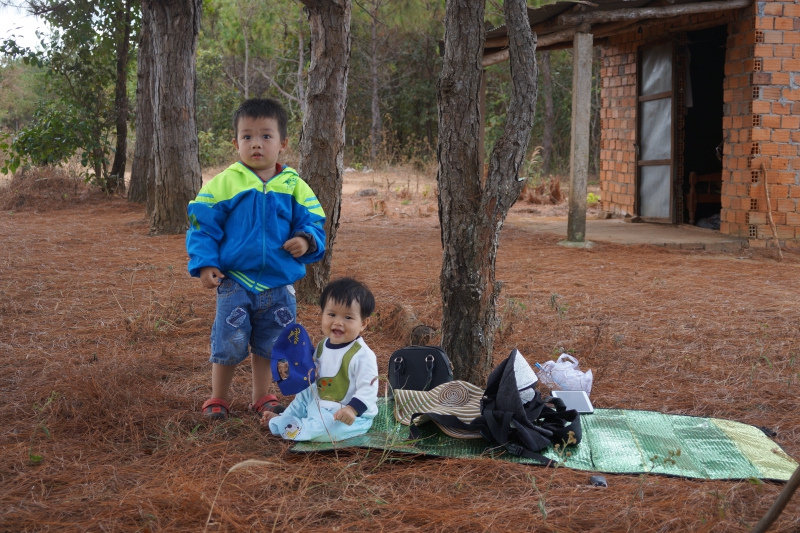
(103, 350)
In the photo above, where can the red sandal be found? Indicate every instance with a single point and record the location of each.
(216, 408)
(268, 402)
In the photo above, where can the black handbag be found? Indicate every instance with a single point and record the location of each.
(419, 368)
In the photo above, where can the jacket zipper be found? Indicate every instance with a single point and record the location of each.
(264, 226)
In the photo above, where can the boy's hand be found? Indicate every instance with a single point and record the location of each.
(346, 414)
(211, 277)
(266, 416)
(297, 246)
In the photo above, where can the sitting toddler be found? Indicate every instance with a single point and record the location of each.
(342, 402)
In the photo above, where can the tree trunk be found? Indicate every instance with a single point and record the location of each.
(175, 25)
(375, 130)
(116, 179)
(472, 211)
(143, 167)
(549, 114)
(322, 139)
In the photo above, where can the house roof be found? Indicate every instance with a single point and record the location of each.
(548, 20)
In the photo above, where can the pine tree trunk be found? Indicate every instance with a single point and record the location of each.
(375, 130)
(175, 26)
(116, 180)
(143, 167)
(322, 140)
(472, 210)
(549, 114)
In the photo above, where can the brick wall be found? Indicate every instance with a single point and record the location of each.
(754, 91)
(762, 117)
(618, 124)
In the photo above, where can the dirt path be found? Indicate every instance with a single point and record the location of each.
(104, 341)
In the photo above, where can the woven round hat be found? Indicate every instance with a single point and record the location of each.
(458, 398)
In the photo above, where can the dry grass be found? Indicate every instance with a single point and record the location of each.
(46, 189)
(103, 321)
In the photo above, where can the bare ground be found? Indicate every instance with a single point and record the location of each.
(103, 364)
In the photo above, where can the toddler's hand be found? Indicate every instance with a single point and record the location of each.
(211, 277)
(297, 246)
(346, 415)
(266, 417)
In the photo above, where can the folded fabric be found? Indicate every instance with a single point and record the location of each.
(458, 398)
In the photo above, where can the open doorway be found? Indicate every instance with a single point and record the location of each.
(703, 132)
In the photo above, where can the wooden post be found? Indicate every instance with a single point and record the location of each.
(579, 141)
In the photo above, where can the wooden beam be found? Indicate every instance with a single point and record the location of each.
(545, 40)
(600, 17)
(579, 139)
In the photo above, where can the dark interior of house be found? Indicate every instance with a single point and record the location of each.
(703, 123)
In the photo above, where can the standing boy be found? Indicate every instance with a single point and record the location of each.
(253, 228)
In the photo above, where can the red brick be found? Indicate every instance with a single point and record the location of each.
(791, 94)
(773, 9)
(757, 217)
(760, 134)
(763, 50)
(783, 50)
(761, 107)
(772, 64)
(793, 219)
(771, 121)
(769, 148)
(781, 109)
(765, 23)
(785, 178)
(791, 10)
(770, 93)
(779, 191)
(785, 232)
(785, 205)
(779, 163)
(791, 64)
(780, 135)
(788, 150)
(791, 122)
(784, 23)
(779, 78)
(794, 191)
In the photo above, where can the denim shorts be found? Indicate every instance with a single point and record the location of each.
(246, 318)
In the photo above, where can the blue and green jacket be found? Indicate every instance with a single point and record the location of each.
(238, 224)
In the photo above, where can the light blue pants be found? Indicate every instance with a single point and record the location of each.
(305, 420)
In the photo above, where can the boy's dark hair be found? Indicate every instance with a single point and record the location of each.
(345, 291)
(261, 108)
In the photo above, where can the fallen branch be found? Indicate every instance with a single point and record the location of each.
(769, 213)
(777, 508)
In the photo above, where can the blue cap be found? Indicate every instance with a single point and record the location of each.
(292, 360)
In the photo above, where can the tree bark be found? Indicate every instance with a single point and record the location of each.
(322, 139)
(175, 26)
(549, 114)
(375, 130)
(143, 167)
(116, 179)
(472, 211)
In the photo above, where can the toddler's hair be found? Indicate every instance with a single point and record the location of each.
(345, 291)
(261, 108)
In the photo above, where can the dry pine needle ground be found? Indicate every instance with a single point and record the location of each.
(104, 342)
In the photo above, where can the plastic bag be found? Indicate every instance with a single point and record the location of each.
(564, 374)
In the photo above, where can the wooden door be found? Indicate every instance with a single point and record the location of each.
(655, 139)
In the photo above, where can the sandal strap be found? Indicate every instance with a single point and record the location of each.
(267, 399)
(217, 401)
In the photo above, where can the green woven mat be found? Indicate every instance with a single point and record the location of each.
(614, 441)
